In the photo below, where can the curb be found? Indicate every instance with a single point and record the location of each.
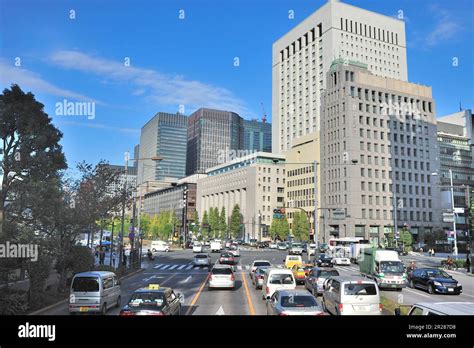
(39, 311)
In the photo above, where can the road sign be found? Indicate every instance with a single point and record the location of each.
(459, 210)
(339, 214)
(448, 217)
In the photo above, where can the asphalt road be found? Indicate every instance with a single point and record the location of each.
(174, 269)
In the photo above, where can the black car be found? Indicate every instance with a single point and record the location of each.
(153, 300)
(324, 261)
(434, 280)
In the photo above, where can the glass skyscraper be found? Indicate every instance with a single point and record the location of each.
(257, 136)
(164, 135)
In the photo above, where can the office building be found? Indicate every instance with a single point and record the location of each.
(302, 57)
(212, 135)
(255, 182)
(257, 136)
(299, 189)
(378, 151)
(164, 136)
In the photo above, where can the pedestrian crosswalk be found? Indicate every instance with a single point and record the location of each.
(178, 267)
(348, 269)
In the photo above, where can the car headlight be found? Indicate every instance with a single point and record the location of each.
(437, 284)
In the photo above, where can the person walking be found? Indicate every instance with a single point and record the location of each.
(114, 255)
(101, 256)
(468, 263)
(429, 252)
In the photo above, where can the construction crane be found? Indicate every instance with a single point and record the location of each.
(264, 117)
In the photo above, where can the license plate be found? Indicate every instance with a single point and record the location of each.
(394, 285)
(362, 308)
(83, 309)
(450, 289)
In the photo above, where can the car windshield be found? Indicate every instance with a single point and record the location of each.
(200, 256)
(146, 299)
(436, 273)
(327, 274)
(226, 255)
(221, 271)
(360, 289)
(391, 267)
(281, 279)
(298, 301)
(261, 263)
(297, 245)
(324, 257)
(293, 258)
(86, 284)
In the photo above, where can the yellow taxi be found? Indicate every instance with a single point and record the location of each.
(299, 273)
(292, 260)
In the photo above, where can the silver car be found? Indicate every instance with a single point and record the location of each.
(221, 276)
(315, 280)
(94, 292)
(293, 302)
(202, 260)
(258, 275)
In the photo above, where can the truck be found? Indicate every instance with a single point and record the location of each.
(216, 246)
(355, 250)
(383, 266)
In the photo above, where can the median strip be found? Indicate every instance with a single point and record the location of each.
(247, 295)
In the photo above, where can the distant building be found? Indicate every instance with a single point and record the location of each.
(257, 136)
(165, 136)
(255, 182)
(212, 134)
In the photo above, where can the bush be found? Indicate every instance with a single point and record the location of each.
(13, 302)
(38, 273)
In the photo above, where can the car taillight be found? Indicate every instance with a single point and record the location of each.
(126, 313)
(380, 307)
(232, 277)
(340, 307)
(267, 290)
(282, 314)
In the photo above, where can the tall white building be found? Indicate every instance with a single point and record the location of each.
(302, 57)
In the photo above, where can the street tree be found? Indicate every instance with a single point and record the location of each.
(300, 227)
(279, 229)
(235, 222)
(214, 221)
(205, 224)
(222, 223)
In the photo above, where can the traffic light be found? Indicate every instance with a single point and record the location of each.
(278, 213)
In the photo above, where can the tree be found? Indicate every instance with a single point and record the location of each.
(214, 221)
(235, 221)
(279, 229)
(194, 225)
(406, 239)
(31, 156)
(205, 224)
(300, 227)
(222, 223)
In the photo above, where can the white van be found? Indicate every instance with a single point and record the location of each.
(159, 245)
(94, 292)
(351, 295)
(197, 247)
(277, 278)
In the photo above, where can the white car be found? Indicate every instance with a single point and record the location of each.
(197, 248)
(158, 245)
(341, 261)
(234, 250)
(221, 276)
(273, 246)
(277, 278)
(311, 249)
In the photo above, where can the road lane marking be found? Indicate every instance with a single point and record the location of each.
(196, 297)
(189, 267)
(181, 267)
(417, 293)
(158, 266)
(172, 267)
(220, 311)
(247, 295)
(165, 267)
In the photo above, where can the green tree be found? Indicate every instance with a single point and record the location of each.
(300, 227)
(279, 229)
(205, 224)
(214, 221)
(235, 221)
(194, 224)
(406, 239)
(222, 223)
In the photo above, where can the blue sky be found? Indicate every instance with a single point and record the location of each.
(190, 61)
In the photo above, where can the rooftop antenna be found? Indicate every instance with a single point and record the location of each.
(264, 117)
(460, 107)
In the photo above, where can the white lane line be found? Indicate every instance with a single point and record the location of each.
(197, 267)
(165, 267)
(158, 266)
(417, 293)
(467, 295)
(190, 266)
(181, 267)
(172, 267)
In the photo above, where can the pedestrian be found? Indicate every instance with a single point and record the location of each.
(124, 260)
(433, 252)
(468, 263)
(113, 258)
(101, 256)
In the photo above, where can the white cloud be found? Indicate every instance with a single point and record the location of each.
(30, 81)
(156, 87)
(447, 27)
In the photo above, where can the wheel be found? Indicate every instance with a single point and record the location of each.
(431, 289)
(103, 310)
(119, 299)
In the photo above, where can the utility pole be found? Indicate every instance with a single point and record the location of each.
(455, 247)
(395, 217)
(127, 155)
(315, 218)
